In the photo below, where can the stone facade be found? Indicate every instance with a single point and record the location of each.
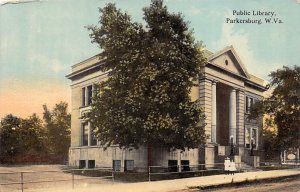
(226, 92)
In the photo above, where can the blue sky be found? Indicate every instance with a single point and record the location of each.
(40, 41)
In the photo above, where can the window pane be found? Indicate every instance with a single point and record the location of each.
(254, 137)
(247, 104)
(247, 137)
(129, 165)
(83, 96)
(82, 164)
(93, 136)
(185, 164)
(89, 94)
(91, 164)
(251, 104)
(117, 165)
(172, 165)
(85, 132)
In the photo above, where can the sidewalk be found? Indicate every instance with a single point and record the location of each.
(181, 184)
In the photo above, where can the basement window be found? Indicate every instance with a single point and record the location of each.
(82, 164)
(117, 165)
(172, 166)
(129, 165)
(185, 165)
(91, 164)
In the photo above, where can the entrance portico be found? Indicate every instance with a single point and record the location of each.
(224, 112)
(224, 87)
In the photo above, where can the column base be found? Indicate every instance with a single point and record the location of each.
(210, 155)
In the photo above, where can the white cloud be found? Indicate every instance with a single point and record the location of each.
(239, 39)
(3, 2)
(57, 66)
(194, 11)
(50, 64)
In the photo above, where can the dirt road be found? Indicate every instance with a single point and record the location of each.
(282, 185)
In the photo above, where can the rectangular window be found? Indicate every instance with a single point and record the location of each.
(129, 165)
(82, 164)
(251, 137)
(91, 164)
(84, 133)
(185, 165)
(89, 94)
(93, 136)
(117, 165)
(247, 138)
(172, 166)
(249, 104)
(83, 97)
(254, 138)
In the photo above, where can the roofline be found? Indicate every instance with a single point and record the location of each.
(86, 60)
(74, 74)
(246, 80)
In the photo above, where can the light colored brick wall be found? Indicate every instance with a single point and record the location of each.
(240, 117)
(205, 101)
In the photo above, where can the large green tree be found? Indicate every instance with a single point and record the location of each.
(10, 143)
(58, 124)
(33, 136)
(151, 70)
(22, 136)
(282, 108)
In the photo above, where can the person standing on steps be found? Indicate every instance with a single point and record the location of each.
(227, 165)
(232, 167)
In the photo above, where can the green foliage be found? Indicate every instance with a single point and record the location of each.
(151, 70)
(34, 135)
(283, 107)
(29, 136)
(270, 146)
(11, 143)
(57, 125)
(22, 136)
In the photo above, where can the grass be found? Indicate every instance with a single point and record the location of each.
(139, 176)
(278, 167)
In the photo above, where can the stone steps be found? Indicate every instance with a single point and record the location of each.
(248, 168)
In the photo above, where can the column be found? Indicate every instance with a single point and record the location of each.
(214, 113)
(240, 112)
(232, 116)
(205, 93)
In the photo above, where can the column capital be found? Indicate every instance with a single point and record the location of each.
(209, 79)
(240, 90)
(214, 82)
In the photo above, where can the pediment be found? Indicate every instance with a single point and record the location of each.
(228, 60)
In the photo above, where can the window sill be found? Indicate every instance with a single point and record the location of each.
(82, 107)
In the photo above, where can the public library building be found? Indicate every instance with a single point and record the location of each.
(226, 92)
